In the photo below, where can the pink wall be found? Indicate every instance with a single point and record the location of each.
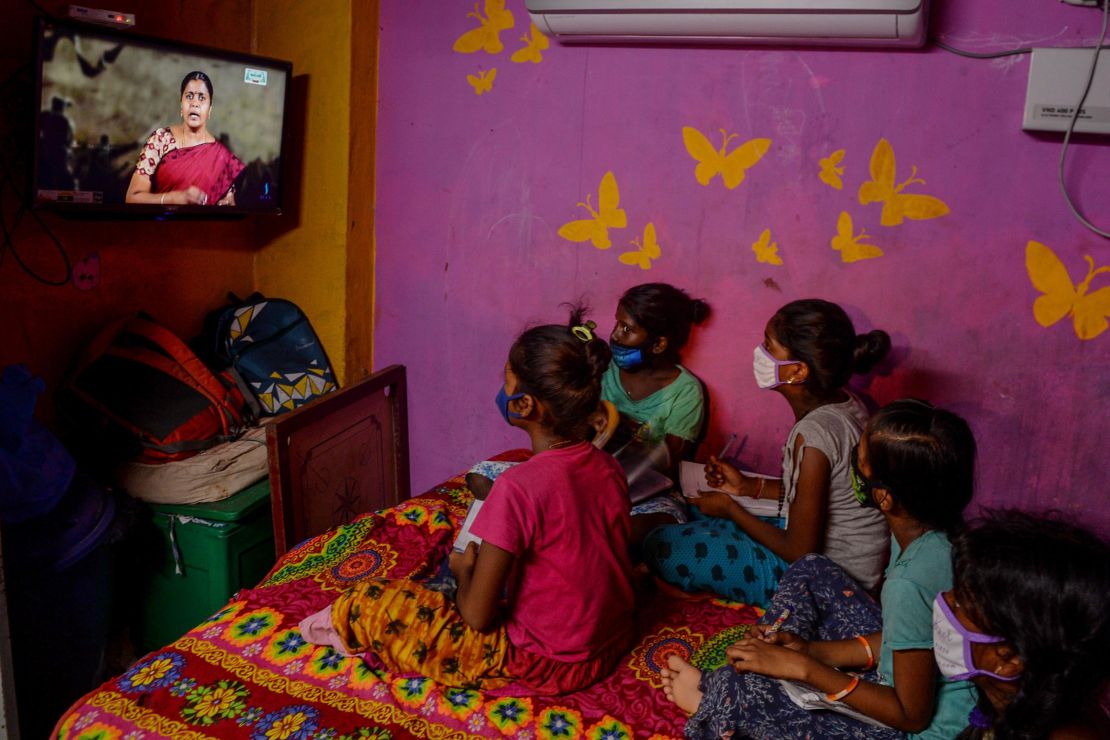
(474, 188)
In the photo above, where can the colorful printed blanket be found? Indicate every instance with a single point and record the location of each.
(246, 672)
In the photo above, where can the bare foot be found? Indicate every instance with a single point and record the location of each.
(680, 684)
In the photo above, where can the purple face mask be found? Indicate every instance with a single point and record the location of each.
(766, 368)
(952, 645)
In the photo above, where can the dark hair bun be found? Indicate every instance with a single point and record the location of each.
(699, 311)
(869, 349)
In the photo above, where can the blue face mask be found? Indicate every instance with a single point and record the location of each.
(503, 399)
(626, 358)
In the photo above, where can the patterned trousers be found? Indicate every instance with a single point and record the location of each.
(825, 604)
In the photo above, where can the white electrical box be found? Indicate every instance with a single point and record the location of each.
(1056, 81)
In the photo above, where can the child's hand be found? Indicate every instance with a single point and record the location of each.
(462, 563)
(723, 476)
(787, 640)
(715, 504)
(775, 661)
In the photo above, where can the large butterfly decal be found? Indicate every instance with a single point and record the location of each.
(607, 216)
(896, 204)
(647, 251)
(766, 250)
(851, 246)
(487, 36)
(533, 49)
(483, 82)
(731, 166)
(1062, 297)
(832, 170)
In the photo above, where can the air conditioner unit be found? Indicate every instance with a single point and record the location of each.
(778, 22)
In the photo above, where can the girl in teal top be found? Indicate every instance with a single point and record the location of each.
(822, 633)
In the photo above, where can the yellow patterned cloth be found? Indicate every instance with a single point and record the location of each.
(412, 629)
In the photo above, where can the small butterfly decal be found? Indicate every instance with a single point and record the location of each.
(533, 49)
(851, 247)
(646, 251)
(483, 82)
(607, 216)
(487, 37)
(1062, 297)
(896, 204)
(766, 251)
(712, 162)
(86, 272)
(832, 170)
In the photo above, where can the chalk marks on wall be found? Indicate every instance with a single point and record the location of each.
(647, 250)
(483, 81)
(608, 215)
(487, 36)
(896, 204)
(832, 170)
(496, 19)
(1061, 297)
(851, 245)
(766, 251)
(535, 44)
(730, 165)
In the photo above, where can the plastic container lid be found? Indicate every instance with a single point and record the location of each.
(233, 508)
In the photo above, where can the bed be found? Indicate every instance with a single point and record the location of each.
(246, 672)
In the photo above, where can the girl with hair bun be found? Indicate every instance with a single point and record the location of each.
(809, 352)
(555, 541)
(874, 666)
(1028, 621)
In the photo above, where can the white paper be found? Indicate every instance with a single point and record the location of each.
(807, 698)
(464, 537)
(692, 479)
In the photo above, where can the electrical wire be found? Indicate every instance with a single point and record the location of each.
(1075, 117)
(982, 55)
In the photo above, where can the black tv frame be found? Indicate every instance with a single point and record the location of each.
(143, 211)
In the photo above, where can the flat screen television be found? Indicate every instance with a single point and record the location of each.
(131, 125)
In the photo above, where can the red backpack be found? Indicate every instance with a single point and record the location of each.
(140, 388)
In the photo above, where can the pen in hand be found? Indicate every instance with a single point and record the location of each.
(777, 624)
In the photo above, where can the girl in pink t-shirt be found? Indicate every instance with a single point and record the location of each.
(555, 533)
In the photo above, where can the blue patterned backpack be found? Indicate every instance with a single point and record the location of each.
(274, 354)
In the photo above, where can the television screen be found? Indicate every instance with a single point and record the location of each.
(133, 124)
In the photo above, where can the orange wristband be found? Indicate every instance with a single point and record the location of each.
(870, 653)
(847, 690)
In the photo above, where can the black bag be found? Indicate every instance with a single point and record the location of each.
(274, 354)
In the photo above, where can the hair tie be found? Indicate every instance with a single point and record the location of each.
(979, 720)
(585, 332)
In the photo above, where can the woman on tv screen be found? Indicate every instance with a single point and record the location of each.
(184, 164)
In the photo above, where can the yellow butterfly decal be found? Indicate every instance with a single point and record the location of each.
(1062, 297)
(832, 170)
(851, 247)
(730, 166)
(646, 252)
(533, 49)
(483, 82)
(487, 36)
(766, 250)
(607, 216)
(896, 204)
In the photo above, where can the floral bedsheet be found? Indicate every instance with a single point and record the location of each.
(246, 672)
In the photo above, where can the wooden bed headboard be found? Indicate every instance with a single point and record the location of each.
(338, 457)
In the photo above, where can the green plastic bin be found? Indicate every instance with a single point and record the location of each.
(207, 553)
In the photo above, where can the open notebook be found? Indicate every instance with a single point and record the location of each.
(692, 479)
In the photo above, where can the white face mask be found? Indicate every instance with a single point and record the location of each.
(766, 369)
(952, 645)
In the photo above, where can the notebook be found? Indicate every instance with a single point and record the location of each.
(807, 698)
(692, 479)
(464, 537)
(641, 462)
